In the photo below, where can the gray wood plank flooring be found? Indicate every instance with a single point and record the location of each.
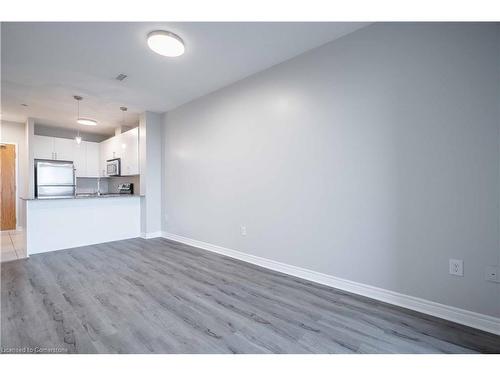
(159, 296)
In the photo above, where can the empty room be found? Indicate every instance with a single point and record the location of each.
(250, 187)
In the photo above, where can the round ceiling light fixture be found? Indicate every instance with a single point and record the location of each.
(166, 43)
(86, 121)
(82, 120)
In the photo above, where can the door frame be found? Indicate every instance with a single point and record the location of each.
(16, 166)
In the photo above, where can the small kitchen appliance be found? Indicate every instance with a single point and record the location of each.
(126, 188)
(113, 167)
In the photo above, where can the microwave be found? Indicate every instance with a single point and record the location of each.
(113, 167)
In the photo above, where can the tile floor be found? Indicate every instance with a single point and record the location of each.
(12, 245)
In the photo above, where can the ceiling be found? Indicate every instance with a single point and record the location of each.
(45, 64)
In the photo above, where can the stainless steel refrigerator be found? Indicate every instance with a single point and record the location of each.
(54, 179)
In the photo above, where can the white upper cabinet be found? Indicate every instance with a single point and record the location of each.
(89, 158)
(65, 149)
(105, 154)
(43, 147)
(124, 146)
(85, 156)
(92, 159)
(115, 147)
(129, 144)
(79, 158)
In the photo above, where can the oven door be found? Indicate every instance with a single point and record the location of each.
(113, 167)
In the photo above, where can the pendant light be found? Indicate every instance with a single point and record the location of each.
(123, 109)
(78, 139)
(82, 120)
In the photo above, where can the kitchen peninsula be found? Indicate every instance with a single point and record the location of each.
(84, 192)
(54, 224)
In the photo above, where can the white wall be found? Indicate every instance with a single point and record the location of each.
(150, 157)
(14, 132)
(29, 167)
(374, 158)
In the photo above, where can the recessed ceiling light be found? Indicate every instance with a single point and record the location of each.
(166, 43)
(86, 121)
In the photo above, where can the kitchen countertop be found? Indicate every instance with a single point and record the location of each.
(86, 196)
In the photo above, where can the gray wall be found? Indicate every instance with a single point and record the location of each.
(50, 131)
(374, 158)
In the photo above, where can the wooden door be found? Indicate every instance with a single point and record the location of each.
(8, 184)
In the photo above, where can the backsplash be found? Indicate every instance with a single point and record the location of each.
(114, 181)
(108, 185)
(89, 185)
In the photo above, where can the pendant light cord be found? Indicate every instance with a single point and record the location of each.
(78, 115)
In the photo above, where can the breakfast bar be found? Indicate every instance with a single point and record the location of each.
(55, 224)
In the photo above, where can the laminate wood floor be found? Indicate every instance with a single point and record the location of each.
(159, 296)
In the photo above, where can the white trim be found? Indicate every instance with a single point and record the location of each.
(152, 234)
(454, 314)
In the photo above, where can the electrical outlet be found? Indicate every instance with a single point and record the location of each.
(456, 267)
(243, 230)
(493, 274)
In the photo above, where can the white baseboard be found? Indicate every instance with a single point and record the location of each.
(152, 234)
(454, 314)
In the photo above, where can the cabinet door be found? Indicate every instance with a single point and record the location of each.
(115, 147)
(64, 149)
(43, 147)
(103, 156)
(79, 160)
(130, 154)
(92, 159)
